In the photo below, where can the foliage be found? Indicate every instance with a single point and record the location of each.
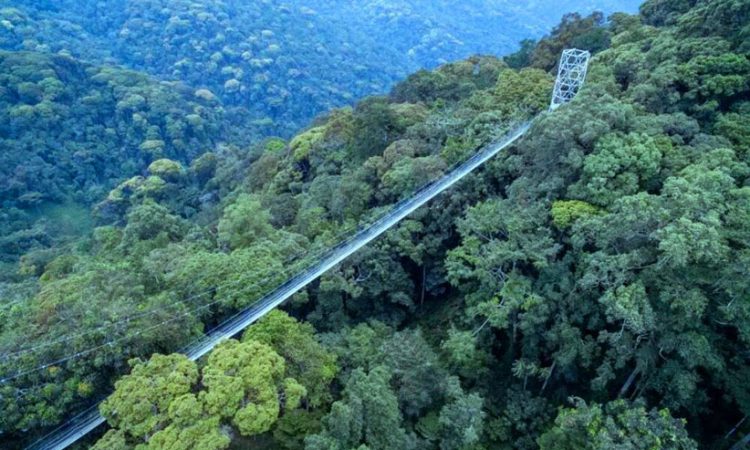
(243, 382)
(306, 360)
(278, 64)
(163, 404)
(71, 131)
(604, 257)
(567, 212)
(142, 400)
(616, 425)
(244, 222)
(367, 415)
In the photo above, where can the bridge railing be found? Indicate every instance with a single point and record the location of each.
(90, 419)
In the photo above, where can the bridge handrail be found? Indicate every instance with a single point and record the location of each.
(90, 418)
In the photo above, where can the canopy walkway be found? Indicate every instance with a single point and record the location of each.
(568, 83)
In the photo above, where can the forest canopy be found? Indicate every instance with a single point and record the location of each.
(280, 63)
(588, 288)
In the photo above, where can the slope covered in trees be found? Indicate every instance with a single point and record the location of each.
(70, 132)
(233, 71)
(281, 62)
(587, 289)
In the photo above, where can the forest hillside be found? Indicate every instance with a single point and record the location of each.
(282, 62)
(76, 119)
(587, 289)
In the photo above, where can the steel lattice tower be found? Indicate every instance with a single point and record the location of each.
(574, 64)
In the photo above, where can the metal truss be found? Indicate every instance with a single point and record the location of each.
(571, 75)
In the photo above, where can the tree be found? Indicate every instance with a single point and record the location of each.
(461, 419)
(586, 33)
(566, 212)
(112, 440)
(518, 419)
(306, 360)
(618, 424)
(149, 226)
(498, 235)
(603, 256)
(244, 222)
(522, 57)
(245, 383)
(166, 169)
(619, 166)
(292, 429)
(525, 90)
(191, 427)
(461, 350)
(367, 415)
(161, 403)
(141, 402)
(664, 12)
(376, 126)
(418, 377)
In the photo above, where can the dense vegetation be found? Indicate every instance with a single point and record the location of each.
(281, 62)
(587, 289)
(235, 71)
(70, 131)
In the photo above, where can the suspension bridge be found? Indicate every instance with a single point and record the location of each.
(570, 78)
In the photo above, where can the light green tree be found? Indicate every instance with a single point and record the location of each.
(306, 360)
(141, 402)
(244, 222)
(618, 424)
(245, 383)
